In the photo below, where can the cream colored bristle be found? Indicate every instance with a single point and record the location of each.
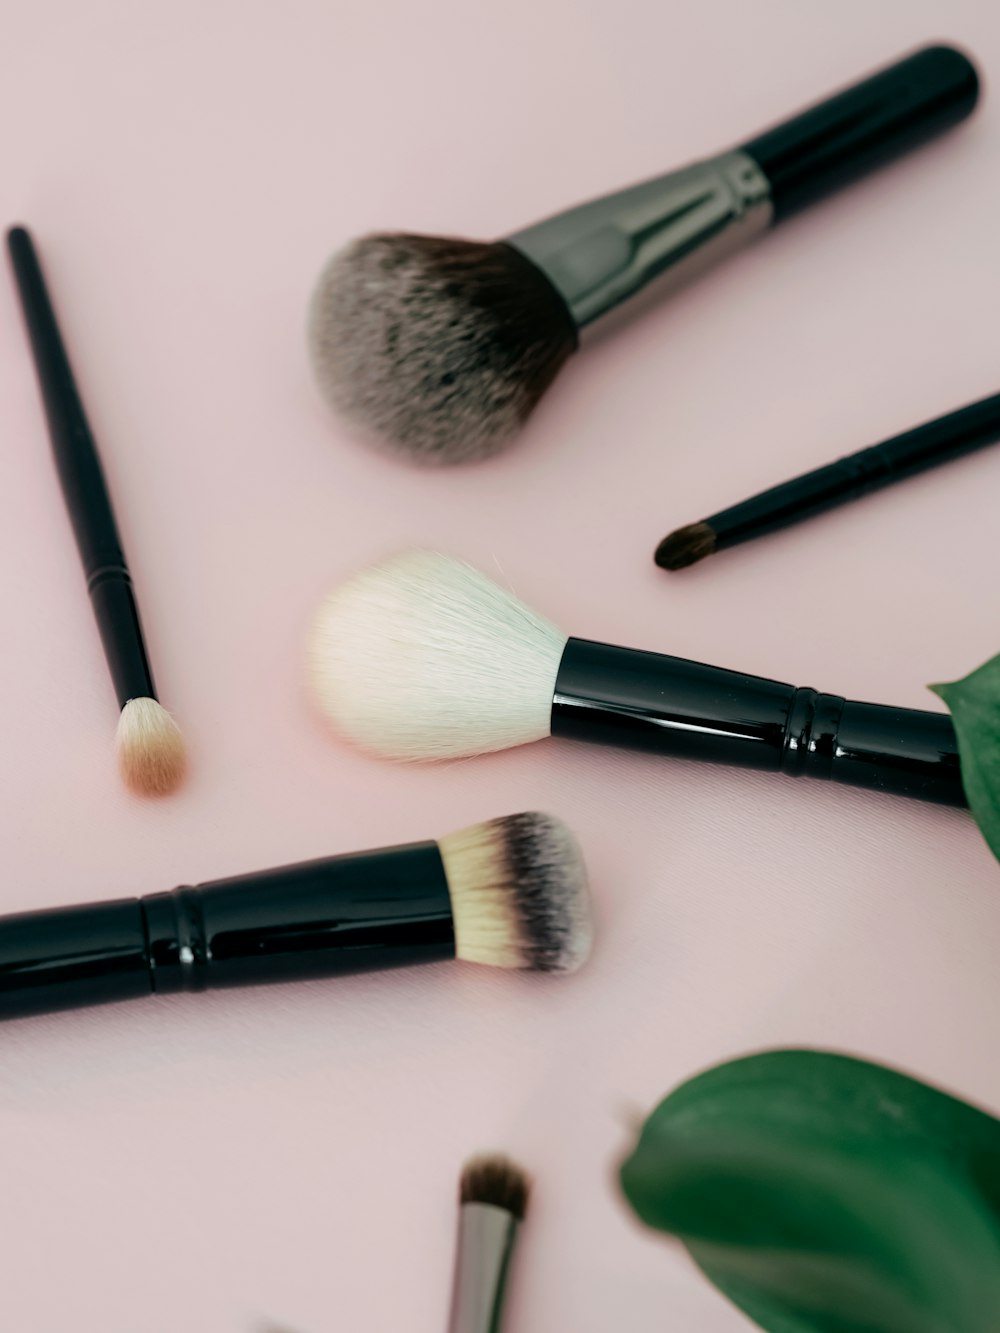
(424, 657)
(519, 894)
(150, 748)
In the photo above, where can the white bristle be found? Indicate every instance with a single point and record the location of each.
(519, 894)
(423, 657)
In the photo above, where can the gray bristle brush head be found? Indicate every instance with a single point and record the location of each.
(519, 894)
(423, 657)
(435, 348)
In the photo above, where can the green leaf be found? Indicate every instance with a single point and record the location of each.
(824, 1194)
(974, 704)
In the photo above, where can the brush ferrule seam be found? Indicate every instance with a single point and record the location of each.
(666, 230)
(103, 573)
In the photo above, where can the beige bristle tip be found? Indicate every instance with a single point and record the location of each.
(151, 755)
(494, 1179)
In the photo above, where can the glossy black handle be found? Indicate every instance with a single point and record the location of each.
(369, 911)
(79, 467)
(82, 479)
(850, 134)
(935, 442)
(669, 705)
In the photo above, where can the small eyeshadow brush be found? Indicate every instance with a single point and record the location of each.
(493, 1198)
(423, 657)
(939, 441)
(439, 348)
(510, 892)
(150, 749)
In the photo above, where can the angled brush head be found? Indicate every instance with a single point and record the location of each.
(151, 756)
(436, 348)
(423, 657)
(686, 546)
(519, 894)
(497, 1181)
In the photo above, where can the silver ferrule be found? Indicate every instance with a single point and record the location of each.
(485, 1240)
(663, 231)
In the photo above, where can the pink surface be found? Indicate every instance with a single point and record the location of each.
(288, 1157)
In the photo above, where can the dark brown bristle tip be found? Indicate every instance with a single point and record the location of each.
(496, 1180)
(686, 546)
(436, 348)
(546, 871)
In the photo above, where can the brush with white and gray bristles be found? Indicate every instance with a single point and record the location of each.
(493, 1198)
(440, 348)
(508, 892)
(151, 755)
(423, 657)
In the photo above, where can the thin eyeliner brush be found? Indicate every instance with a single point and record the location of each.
(939, 441)
(150, 749)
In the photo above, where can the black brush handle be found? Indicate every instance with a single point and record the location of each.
(850, 134)
(365, 912)
(82, 481)
(905, 455)
(668, 705)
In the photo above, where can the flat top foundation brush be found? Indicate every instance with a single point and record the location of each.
(949, 437)
(151, 753)
(511, 892)
(440, 348)
(423, 657)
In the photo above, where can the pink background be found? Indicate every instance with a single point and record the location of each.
(231, 1162)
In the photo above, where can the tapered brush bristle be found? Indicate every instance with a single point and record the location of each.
(496, 1180)
(686, 546)
(423, 657)
(150, 747)
(519, 894)
(436, 348)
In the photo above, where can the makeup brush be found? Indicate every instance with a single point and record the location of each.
(493, 1197)
(952, 436)
(150, 749)
(440, 348)
(423, 657)
(511, 892)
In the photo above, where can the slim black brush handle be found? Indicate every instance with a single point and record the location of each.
(365, 912)
(850, 134)
(668, 705)
(905, 455)
(82, 481)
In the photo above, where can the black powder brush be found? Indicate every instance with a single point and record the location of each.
(939, 441)
(511, 892)
(440, 348)
(150, 749)
(423, 657)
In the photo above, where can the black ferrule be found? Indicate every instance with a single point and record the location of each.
(365, 912)
(850, 134)
(669, 705)
(935, 442)
(117, 614)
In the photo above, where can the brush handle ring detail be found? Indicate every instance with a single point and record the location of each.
(669, 705)
(343, 914)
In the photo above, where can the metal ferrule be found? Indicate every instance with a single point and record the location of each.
(666, 230)
(485, 1241)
